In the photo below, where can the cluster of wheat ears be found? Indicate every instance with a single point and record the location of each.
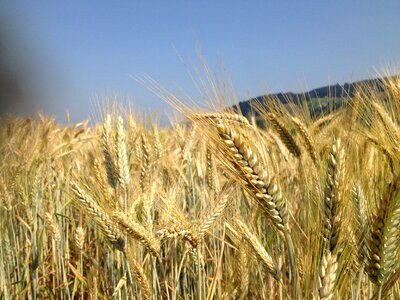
(307, 207)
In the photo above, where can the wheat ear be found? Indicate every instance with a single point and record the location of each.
(383, 242)
(108, 152)
(266, 192)
(361, 217)
(243, 270)
(256, 245)
(323, 121)
(138, 232)
(263, 188)
(305, 134)
(145, 169)
(105, 189)
(210, 173)
(360, 232)
(158, 147)
(284, 134)
(176, 231)
(230, 117)
(335, 172)
(53, 226)
(101, 218)
(80, 234)
(391, 127)
(140, 277)
(327, 275)
(217, 210)
(122, 157)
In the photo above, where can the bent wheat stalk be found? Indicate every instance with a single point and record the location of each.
(138, 232)
(261, 186)
(258, 249)
(100, 216)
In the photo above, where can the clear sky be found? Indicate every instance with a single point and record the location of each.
(77, 51)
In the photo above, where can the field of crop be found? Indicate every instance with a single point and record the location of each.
(210, 208)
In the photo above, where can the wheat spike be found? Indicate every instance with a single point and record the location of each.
(383, 243)
(211, 216)
(80, 234)
(140, 277)
(258, 249)
(284, 134)
(122, 156)
(243, 270)
(236, 118)
(53, 226)
(145, 169)
(102, 219)
(138, 232)
(310, 145)
(210, 175)
(158, 147)
(392, 130)
(361, 217)
(264, 189)
(327, 275)
(108, 152)
(102, 181)
(332, 215)
(176, 231)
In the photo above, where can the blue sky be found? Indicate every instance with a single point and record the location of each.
(80, 51)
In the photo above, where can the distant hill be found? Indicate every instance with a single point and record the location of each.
(330, 92)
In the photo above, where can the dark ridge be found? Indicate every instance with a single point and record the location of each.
(333, 91)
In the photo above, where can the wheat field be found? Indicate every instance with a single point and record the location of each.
(214, 207)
